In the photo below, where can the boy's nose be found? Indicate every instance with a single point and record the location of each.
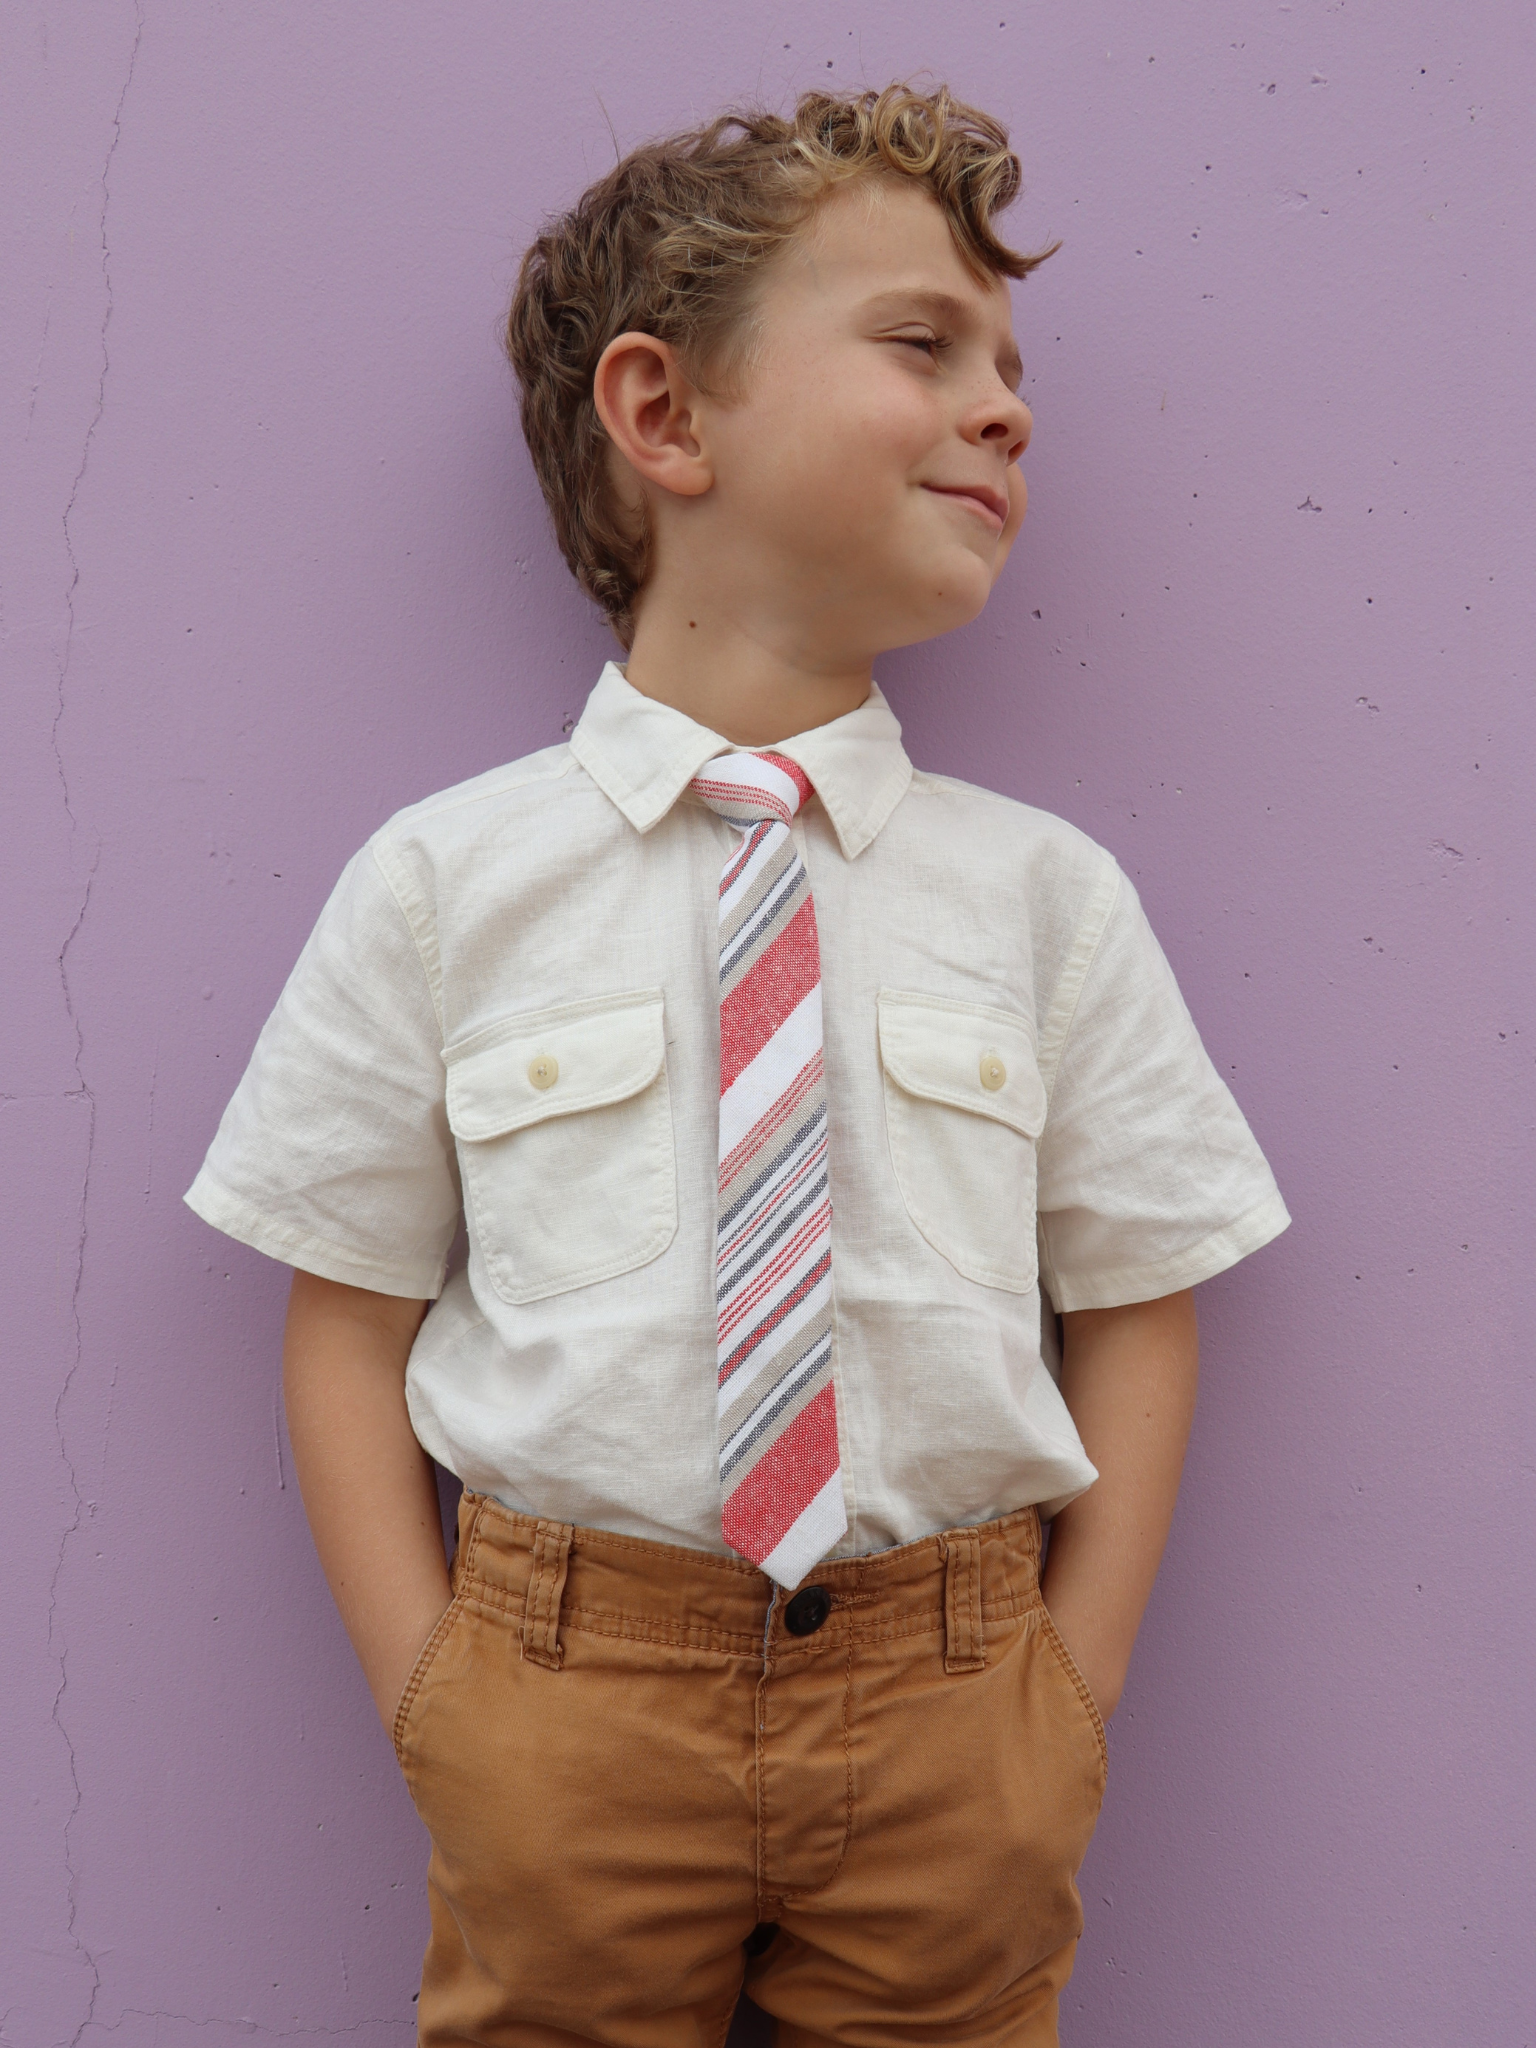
(1009, 421)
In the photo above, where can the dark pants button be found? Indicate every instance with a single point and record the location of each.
(808, 1610)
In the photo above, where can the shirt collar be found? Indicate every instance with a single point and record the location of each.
(642, 755)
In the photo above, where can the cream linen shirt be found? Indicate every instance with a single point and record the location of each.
(510, 1000)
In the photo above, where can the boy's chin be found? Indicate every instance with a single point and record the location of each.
(953, 600)
(909, 631)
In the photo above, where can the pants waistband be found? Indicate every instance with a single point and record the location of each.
(556, 1576)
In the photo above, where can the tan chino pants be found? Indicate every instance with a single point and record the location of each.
(633, 1770)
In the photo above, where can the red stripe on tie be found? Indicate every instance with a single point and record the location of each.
(794, 771)
(745, 796)
(756, 1336)
(777, 984)
(750, 1295)
(754, 1220)
(771, 1120)
(784, 1481)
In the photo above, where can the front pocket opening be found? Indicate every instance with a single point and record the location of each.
(426, 1658)
(1067, 1665)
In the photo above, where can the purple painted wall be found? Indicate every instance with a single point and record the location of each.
(273, 565)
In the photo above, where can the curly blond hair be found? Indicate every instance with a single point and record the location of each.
(667, 244)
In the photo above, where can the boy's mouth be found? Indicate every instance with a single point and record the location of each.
(989, 504)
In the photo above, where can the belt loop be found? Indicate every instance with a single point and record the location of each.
(964, 1642)
(546, 1584)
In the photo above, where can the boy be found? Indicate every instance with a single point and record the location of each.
(775, 1077)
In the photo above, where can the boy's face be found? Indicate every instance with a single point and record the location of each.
(869, 469)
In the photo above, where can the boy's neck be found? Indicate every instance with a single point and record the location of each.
(726, 678)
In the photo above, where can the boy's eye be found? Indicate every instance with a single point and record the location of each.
(930, 344)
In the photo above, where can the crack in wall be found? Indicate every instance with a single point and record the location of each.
(149, 1163)
(58, 1646)
(42, 351)
(81, 1511)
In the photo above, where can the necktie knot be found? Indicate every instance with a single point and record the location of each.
(748, 789)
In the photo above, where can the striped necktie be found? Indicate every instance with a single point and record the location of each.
(780, 1475)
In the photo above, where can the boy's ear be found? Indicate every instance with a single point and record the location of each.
(651, 412)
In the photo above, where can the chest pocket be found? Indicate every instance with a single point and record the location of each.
(964, 1104)
(564, 1127)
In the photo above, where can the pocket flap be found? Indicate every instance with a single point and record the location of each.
(963, 1054)
(553, 1063)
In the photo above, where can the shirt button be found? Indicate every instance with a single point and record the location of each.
(808, 1610)
(993, 1072)
(544, 1072)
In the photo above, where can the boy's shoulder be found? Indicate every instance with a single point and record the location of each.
(466, 805)
(984, 826)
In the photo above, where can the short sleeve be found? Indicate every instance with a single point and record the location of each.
(334, 1154)
(1149, 1177)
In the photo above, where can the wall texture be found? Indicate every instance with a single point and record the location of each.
(273, 565)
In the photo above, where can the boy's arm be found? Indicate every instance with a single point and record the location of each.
(368, 1486)
(1128, 1376)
